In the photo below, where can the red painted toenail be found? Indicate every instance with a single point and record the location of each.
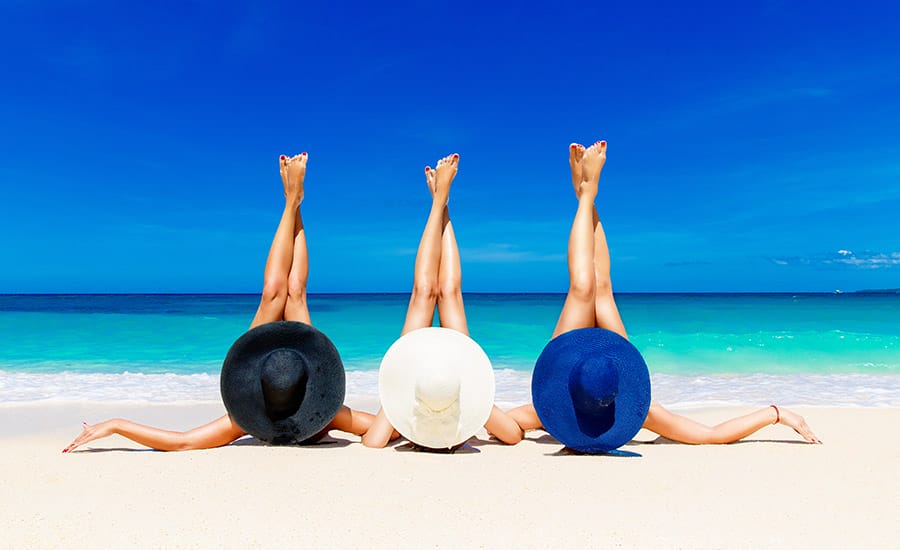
(602, 143)
(303, 153)
(282, 157)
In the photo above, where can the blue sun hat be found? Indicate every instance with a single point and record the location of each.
(591, 390)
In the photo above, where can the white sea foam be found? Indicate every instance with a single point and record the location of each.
(513, 388)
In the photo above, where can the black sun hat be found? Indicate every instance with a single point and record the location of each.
(283, 382)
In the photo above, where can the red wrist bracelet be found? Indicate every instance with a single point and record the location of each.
(777, 414)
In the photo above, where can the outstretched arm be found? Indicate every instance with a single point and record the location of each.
(504, 427)
(221, 431)
(350, 421)
(380, 432)
(526, 417)
(684, 430)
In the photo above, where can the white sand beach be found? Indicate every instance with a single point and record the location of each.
(771, 490)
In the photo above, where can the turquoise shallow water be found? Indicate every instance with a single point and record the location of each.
(185, 337)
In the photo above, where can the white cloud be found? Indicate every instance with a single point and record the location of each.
(844, 258)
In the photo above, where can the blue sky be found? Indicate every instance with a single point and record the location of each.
(752, 146)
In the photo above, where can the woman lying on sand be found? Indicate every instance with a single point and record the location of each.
(437, 283)
(590, 303)
(283, 298)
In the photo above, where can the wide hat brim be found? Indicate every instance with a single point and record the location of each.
(550, 389)
(242, 391)
(439, 352)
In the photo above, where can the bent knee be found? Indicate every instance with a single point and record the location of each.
(603, 287)
(582, 288)
(296, 289)
(275, 289)
(450, 294)
(425, 291)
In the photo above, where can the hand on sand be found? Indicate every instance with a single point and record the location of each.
(293, 171)
(795, 421)
(90, 433)
(591, 165)
(443, 176)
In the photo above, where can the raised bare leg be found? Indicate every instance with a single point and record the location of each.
(296, 308)
(579, 308)
(605, 309)
(451, 310)
(426, 282)
(426, 287)
(278, 265)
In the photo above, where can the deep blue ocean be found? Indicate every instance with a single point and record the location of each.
(826, 349)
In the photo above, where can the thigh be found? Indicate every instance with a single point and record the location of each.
(607, 314)
(268, 312)
(452, 314)
(419, 314)
(576, 313)
(297, 312)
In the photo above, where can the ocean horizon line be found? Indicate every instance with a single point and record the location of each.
(483, 293)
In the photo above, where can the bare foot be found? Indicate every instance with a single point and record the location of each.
(576, 152)
(795, 421)
(90, 433)
(293, 171)
(444, 174)
(591, 165)
(429, 179)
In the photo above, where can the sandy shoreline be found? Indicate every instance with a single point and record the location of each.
(772, 490)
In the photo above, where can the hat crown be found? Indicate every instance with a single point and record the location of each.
(594, 384)
(437, 389)
(283, 376)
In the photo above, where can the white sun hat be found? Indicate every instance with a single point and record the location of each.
(436, 387)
